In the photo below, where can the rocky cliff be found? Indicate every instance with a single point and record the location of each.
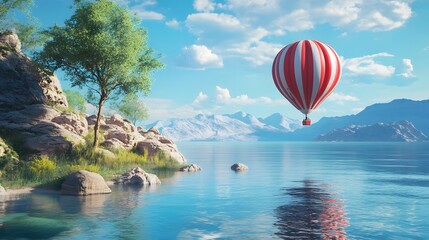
(33, 117)
(31, 103)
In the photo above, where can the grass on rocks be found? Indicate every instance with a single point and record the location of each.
(50, 171)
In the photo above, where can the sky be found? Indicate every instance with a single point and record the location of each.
(218, 54)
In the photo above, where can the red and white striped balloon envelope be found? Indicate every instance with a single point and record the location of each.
(305, 73)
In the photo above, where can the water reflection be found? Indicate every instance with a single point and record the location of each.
(313, 213)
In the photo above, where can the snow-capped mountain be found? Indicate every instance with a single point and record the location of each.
(403, 131)
(238, 126)
(416, 112)
(280, 121)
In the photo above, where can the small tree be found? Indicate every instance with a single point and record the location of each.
(75, 100)
(132, 108)
(103, 48)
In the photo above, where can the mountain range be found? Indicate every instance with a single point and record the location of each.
(242, 126)
(239, 126)
(403, 131)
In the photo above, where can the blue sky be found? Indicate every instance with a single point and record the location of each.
(218, 54)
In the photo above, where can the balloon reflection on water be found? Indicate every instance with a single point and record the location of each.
(312, 213)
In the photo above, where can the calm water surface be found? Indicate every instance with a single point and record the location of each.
(291, 191)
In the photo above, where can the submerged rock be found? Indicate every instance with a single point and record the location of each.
(190, 168)
(84, 183)
(239, 167)
(138, 176)
(24, 226)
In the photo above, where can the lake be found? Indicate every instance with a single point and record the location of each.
(306, 190)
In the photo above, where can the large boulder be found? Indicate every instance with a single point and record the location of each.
(2, 190)
(138, 176)
(83, 183)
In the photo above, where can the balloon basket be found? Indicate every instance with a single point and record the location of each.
(306, 122)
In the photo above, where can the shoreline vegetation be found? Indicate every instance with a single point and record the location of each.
(48, 172)
(44, 136)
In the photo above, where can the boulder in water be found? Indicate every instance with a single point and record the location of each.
(84, 183)
(239, 167)
(138, 176)
(190, 168)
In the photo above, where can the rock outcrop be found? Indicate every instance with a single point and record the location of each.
(21, 83)
(138, 176)
(83, 183)
(154, 143)
(29, 103)
(120, 133)
(190, 168)
(32, 116)
(239, 167)
(2, 190)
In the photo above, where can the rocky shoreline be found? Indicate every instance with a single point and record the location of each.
(35, 120)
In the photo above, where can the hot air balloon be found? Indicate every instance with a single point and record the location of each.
(305, 73)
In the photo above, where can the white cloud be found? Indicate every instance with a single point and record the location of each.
(199, 57)
(173, 23)
(239, 27)
(257, 53)
(385, 16)
(139, 9)
(162, 109)
(298, 20)
(204, 5)
(341, 98)
(223, 96)
(367, 65)
(408, 68)
(200, 98)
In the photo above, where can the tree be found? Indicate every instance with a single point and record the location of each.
(76, 100)
(103, 48)
(132, 108)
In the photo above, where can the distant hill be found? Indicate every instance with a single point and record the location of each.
(403, 131)
(242, 126)
(417, 112)
(239, 126)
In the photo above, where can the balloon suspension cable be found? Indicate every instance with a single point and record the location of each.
(306, 117)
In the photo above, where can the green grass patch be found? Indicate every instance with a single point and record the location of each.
(50, 171)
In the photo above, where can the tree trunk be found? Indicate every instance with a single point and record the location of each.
(97, 123)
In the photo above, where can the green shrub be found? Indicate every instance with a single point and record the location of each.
(42, 167)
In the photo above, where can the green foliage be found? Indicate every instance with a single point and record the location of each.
(7, 6)
(29, 33)
(76, 100)
(9, 159)
(42, 167)
(132, 108)
(49, 171)
(103, 48)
